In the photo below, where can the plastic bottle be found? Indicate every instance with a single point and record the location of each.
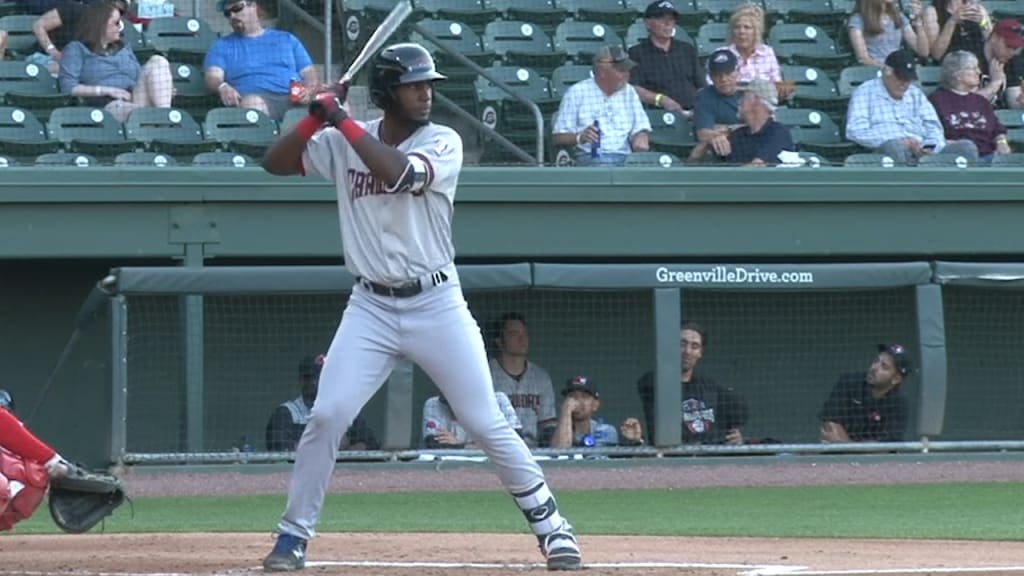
(595, 148)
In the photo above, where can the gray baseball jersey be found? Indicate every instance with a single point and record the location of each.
(401, 236)
(438, 416)
(532, 395)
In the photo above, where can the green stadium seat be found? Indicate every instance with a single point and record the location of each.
(224, 160)
(501, 111)
(671, 132)
(21, 41)
(66, 159)
(808, 45)
(1015, 136)
(869, 159)
(241, 130)
(22, 135)
(8, 7)
(581, 40)
(609, 12)
(361, 18)
(1000, 9)
(814, 89)
(566, 75)
(133, 38)
(929, 78)
(844, 6)
(651, 159)
(818, 12)
(1011, 118)
(815, 131)
(157, 159)
(853, 76)
(180, 39)
(291, 118)
(190, 91)
(30, 86)
(471, 12)
(1015, 160)
(520, 43)
(459, 38)
(812, 160)
(545, 14)
(8, 162)
(91, 131)
(712, 36)
(168, 130)
(721, 9)
(637, 32)
(946, 161)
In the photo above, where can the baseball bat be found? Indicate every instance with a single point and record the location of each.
(394, 19)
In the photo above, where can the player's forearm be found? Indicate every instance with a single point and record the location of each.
(284, 157)
(833, 432)
(387, 164)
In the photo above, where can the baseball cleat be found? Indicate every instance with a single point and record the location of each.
(562, 551)
(289, 554)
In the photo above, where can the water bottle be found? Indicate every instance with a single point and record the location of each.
(595, 148)
(247, 446)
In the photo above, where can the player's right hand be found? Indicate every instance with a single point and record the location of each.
(329, 105)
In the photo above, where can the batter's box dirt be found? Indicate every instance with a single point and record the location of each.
(502, 554)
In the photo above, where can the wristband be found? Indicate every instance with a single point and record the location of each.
(985, 23)
(350, 130)
(579, 138)
(657, 99)
(307, 127)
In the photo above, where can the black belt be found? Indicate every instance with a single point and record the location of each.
(407, 290)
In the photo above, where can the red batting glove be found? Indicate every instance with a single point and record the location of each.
(328, 106)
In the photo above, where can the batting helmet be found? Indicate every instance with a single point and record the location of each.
(396, 65)
(6, 400)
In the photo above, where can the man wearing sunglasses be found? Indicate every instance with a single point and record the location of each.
(255, 67)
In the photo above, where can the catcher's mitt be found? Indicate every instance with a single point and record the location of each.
(81, 499)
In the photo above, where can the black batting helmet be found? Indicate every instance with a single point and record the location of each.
(396, 65)
(6, 400)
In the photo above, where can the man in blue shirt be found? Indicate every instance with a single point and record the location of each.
(716, 110)
(577, 424)
(255, 67)
(761, 138)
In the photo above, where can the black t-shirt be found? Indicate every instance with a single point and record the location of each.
(765, 144)
(866, 418)
(708, 410)
(70, 12)
(676, 73)
(1015, 70)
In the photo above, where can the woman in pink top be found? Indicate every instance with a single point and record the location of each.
(746, 40)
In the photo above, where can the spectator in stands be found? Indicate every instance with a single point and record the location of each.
(3, 44)
(577, 421)
(1014, 95)
(711, 414)
(953, 25)
(441, 428)
(877, 28)
(668, 72)
(999, 61)
(102, 71)
(746, 40)
(892, 116)
(602, 116)
(964, 113)
(37, 7)
(527, 385)
(288, 421)
(760, 140)
(256, 67)
(868, 407)
(716, 113)
(58, 27)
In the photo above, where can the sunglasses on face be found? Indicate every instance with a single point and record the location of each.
(235, 9)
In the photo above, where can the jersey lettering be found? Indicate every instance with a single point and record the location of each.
(531, 401)
(362, 184)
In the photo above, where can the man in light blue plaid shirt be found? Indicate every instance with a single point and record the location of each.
(892, 116)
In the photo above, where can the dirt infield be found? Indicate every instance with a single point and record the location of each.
(495, 555)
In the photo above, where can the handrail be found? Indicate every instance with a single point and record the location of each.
(538, 117)
(504, 142)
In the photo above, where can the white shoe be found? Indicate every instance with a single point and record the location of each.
(561, 550)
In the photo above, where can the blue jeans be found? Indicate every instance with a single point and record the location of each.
(604, 159)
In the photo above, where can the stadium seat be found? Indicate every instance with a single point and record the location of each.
(853, 76)
(1011, 118)
(637, 32)
(1016, 137)
(459, 38)
(90, 131)
(20, 40)
(22, 135)
(712, 36)
(946, 161)
(812, 160)
(291, 118)
(470, 12)
(180, 39)
(190, 91)
(66, 159)
(1015, 160)
(609, 12)
(566, 75)
(361, 18)
(671, 132)
(7, 162)
(929, 78)
(145, 159)
(545, 14)
(814, 89)
(520, 43)
(133, 38)
(8, 7)
(869, 159)
(224, 160)
(581, 40)
(168, 130)
(720, 10)
(817, 12)
(808, 45)
(501, 111)
(842, 7)
(815, 131)
(240, 129)
(1000, 9)
(29, 86)
(662, 159)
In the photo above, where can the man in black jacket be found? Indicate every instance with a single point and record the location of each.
(668, 72)
(711, 414)
(868, 406)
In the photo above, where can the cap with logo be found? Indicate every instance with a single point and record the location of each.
(582, 384)
(615, 55)
(903, 64)
(899, 355)
(722, 62)
(1010, 31)
(660, 8)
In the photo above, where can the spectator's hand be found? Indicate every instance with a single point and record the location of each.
(228, 95)
(588, 135)
(632, 430)
(914, 146)
(734, 437)
(116, 93)
(996, 74)
(785, 89)
(1002, 147)
(972, 12)
(445, 437)
(671, 105)
(915, 8)
(756, 162)
(721, 145)
(640, 142)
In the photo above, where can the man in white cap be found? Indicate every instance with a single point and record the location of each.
(760, 140)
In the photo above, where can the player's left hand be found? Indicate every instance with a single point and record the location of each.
(734, 437)
(329, 105)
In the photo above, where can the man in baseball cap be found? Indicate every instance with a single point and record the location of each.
(868, 406)
(903, 64)
(668, 72)
(1002, 66)
(577, 425)
(716, 111)
(760, 140)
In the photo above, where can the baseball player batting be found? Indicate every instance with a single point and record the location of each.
(396, 179)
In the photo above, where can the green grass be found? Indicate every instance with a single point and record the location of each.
(956, 511)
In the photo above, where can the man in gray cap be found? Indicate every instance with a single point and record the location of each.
(761, 138)
(602, 117)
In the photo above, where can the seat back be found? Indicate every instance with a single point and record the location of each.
(671, 130)
(869, 159)
(545, 13)
(720, 9)
(809, 125)
(1011, 118)
(612, 12)
(800, 39)
(946, 161)
(291, 118)
(453, 35)
(523, 81)
(20, 39)
(188, 80)
(662, 159)
(853, 76)
(66, 159)
(223, 160)
(712, 36)
(163, 124)
(581, 40)
(226, 125)
(508, 38)
(78, 123)
(26, 78)
(1015, 160)
(566, 75)
(190, 35)
(20, 125)
(810, 82)
(144, 159)
(929, 78)
(819, 12)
